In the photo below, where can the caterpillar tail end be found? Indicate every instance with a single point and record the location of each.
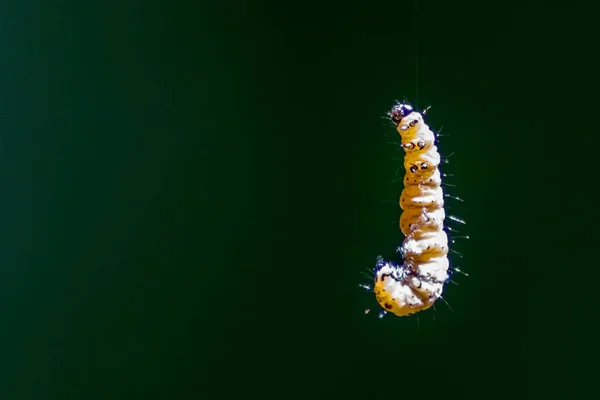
(400, 291)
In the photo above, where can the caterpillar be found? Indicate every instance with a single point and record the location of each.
(417, 283)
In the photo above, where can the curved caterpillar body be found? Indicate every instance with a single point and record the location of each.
(417, 283)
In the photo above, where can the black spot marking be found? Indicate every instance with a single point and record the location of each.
(388, 306)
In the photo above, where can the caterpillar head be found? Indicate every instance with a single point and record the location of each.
(399, 111)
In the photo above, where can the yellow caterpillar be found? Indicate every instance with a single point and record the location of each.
(417, 283)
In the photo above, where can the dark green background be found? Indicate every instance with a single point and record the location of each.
(190, 191)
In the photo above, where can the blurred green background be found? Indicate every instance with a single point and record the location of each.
(191, 189)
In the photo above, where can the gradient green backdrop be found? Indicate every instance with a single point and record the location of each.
(190, 191)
